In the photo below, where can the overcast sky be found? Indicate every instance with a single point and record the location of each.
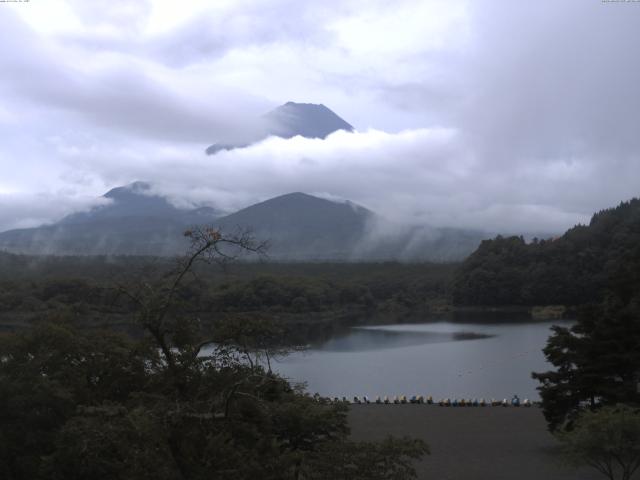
(504, 115)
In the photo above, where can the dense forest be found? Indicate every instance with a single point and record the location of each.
(311, 299)
(152, 367)
(597, 358)
(573, 269)
(80, 403)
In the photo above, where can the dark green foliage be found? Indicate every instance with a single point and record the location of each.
(76, 405)
(597, 361)
(87, 404)
(571, 270)
(307, 297)
(607, 440)
(46, 374)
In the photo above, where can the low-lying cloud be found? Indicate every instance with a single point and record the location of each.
(422, 176)
(497, 115)
(25, 211)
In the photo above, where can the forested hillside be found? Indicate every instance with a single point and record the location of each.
(173, 401)
(571, 270)
(307, 297)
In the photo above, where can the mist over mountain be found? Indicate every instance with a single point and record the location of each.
(137, 201)
(297, 226)
(136, 222)
(300, 226)
(289, 120)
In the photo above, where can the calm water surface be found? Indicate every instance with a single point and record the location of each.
(442, 359)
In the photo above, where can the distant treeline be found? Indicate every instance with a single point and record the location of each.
(573, 269)
(87, 290)
(177, 400)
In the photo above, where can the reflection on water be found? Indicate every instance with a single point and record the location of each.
(365, 339)
(443, 359)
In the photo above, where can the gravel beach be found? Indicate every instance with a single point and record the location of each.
(471, 443)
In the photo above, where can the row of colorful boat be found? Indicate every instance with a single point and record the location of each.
(444, 402)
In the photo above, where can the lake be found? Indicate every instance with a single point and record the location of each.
(442, 359)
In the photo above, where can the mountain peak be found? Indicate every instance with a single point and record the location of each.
(309, 120)
(136, 200)
(294, 196)
(295, 104)
(297, 225)
(135, 188)
(304, 200)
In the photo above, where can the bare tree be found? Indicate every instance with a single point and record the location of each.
(154, 299)
(257, 338)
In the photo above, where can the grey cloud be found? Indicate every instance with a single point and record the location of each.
(31, 210)
(538, 112)
(123, 98)
(122, 14)
(551, 80)
(213, 34)
(408, 177)
(210, 34)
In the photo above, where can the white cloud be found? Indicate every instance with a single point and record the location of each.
(420, 176)
(490, 114)
(24, 210)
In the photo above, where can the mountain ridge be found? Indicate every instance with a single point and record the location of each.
(574, 268)
(298, 226)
